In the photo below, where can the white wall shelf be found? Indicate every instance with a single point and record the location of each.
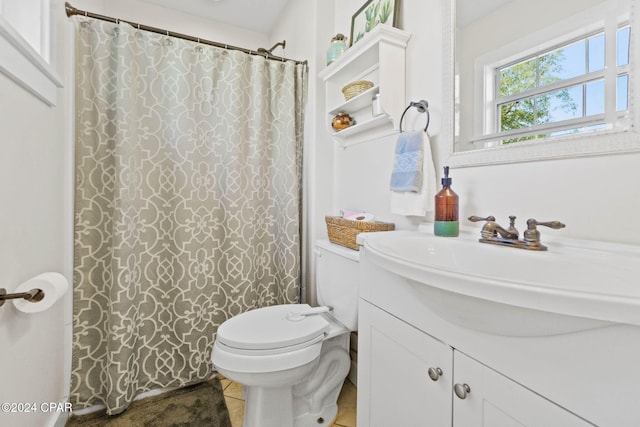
(380, 58)
(356, 103)
(361, 127)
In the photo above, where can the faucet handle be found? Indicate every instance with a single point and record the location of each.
(474, 218)
(532, 236)
(489, 229)
(551, 224)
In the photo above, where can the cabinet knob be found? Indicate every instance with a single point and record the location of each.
(434, 373)
(461, 390)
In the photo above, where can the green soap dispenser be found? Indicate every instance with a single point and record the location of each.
(446, 217)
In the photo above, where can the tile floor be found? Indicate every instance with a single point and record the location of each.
(346, 403)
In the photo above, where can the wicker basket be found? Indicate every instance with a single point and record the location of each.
(344, 231)
(356, 88)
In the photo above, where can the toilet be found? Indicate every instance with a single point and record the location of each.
(292, 359)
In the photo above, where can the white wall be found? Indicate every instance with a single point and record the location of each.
(596, 197)
(34, 238)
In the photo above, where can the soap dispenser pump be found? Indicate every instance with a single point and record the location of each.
(446, 216)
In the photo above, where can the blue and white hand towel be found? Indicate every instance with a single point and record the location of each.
(407, 165)
(418, 203)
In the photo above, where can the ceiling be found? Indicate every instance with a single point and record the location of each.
(256, 15)
(261, 15)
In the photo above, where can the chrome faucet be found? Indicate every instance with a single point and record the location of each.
(493, 233)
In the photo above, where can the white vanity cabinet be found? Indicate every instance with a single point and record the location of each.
(428, 302)
(379, 57)
(406, 377)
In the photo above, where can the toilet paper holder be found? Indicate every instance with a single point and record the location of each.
(34, 295)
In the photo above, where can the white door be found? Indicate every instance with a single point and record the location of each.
(483, 397)
(404, 375)
(36, 228)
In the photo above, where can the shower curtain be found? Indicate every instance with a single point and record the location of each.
(187, 204)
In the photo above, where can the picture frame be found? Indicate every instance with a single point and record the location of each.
(372, 13)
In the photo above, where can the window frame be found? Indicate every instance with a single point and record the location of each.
(561, 33)
(605, 120)
(23, 64)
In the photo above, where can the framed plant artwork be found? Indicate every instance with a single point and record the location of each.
(372, 13)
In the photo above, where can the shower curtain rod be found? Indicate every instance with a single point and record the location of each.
(70, 10)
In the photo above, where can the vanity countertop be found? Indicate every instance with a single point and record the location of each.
(585, 279)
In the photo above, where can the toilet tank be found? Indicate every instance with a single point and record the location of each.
(337, 281)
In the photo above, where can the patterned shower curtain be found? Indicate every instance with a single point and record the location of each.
(187, 204)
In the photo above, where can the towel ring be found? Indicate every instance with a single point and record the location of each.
(422, 106)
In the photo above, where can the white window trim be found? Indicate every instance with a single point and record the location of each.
(583, 25)
(22, 64)
(601, 143)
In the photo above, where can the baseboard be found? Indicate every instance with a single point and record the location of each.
(59, 419)
(100, 407)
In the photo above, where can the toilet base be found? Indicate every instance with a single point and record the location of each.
(312, 399)
(316, 399)
(268, 407)
(269, 395)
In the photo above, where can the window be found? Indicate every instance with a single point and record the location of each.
(26, 47)
(561, 90)
(569, 78)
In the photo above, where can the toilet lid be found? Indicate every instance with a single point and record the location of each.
(269, 328)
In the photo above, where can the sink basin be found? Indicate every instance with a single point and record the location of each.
(575, 285)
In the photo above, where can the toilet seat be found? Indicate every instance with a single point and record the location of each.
(269, 329)
(264, 340)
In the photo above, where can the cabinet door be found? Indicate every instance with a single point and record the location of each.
(394, 385)
(493, 400)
